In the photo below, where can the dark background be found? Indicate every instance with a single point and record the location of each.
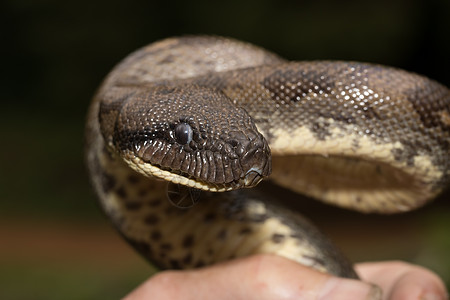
(55, 242)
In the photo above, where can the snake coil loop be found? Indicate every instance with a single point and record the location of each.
(214, 114)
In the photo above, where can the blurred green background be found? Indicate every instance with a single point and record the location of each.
(55, 243)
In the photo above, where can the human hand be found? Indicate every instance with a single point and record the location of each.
(272, 277)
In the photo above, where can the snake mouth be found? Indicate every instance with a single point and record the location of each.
(243, 166)
(251, 178)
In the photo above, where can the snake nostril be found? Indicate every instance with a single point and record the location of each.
(233, 143)
(238, 141)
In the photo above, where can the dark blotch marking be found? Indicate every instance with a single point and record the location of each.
(108, 182)
(437, 98)
(245, 230)
(175, 264)
(143, 192)
(151, 219)
(278, 238)
(210, 252)
(200, 62)
(187, 260)
(200, 264)
(320, 130)
(188, 241)
(133, 205)
(221, 235)
(154, 203)
(133, 178)
(406, 154)
(155, 235)
(121, 192)
(309, 79)
(209, 217)
(166, 247)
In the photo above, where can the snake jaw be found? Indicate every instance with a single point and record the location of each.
(252, 177)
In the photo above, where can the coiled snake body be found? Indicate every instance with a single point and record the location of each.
(215, 114)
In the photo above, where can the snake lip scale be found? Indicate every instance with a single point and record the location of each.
(215, 114)
(250, 179)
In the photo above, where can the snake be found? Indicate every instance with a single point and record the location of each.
(181, 132)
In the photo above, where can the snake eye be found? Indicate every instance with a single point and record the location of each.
(183, 133)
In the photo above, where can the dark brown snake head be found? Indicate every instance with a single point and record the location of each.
(194, 137)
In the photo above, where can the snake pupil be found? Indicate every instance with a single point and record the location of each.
(183, 133)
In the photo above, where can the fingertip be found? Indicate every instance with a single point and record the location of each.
(419, 283)
(401, 280)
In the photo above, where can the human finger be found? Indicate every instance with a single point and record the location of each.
(261, 277)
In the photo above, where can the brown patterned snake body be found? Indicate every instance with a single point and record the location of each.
(215, 114)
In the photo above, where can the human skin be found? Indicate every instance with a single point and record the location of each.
(265, 277)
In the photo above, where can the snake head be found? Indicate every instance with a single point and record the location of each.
(192, 136)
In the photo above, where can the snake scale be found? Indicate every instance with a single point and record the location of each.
(213, 114)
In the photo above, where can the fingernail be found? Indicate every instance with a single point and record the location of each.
(344, 289)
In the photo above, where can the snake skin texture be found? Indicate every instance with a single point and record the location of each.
(217, 115)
